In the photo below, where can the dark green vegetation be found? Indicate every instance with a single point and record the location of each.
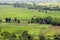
(47, 20)
(26, 36)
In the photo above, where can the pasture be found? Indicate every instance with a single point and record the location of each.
(33, 29)
(23, 14)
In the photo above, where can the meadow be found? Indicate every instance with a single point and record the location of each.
(23, 14)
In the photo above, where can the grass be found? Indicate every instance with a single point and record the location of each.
(24, 13)
(32, 28)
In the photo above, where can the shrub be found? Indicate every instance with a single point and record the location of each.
(48, 20)
(0, 21)
(55, 21)
(39, 20)
(26, 35)
(15, 19)
(6, 35)
(8, 20)
(12, 37)
(42, 37)
(29, 22)
(56, 37)
(18, 21)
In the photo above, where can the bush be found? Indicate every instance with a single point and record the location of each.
(15, 19)
(49, 37)
(56, 37)
(33, 20)
(26, 35)
(18, 21)
(29, 22)
(8, 20)
(39, 20)
(42, 37)
(48, 20)
(5, 35)
(55, 21)
(12, 37)
(0, 21)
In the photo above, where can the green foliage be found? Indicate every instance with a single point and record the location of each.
(48, 19)
(42, 37)
(56, 21)
(56, 37)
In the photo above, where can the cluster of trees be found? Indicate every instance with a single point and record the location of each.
(19, 5)
(26, 36)
(40, 20)
(47, 20)
(9, 20)
(37, 7)
(33, 6)
(5, 3)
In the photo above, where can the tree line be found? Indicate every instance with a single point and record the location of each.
(33, 6)
(40, 20)
(26, 36)
(46, 20)
(9, 20)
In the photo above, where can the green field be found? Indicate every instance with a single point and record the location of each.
(33, 29)
(24, 13)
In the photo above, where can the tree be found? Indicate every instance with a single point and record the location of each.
(8, 20)
(33, 19)
(48, 20)
(39, 20)
(15, 19)
(18, 21)
(0, 21)
(55, 21)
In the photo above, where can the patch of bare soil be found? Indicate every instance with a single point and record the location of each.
(55, 28)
